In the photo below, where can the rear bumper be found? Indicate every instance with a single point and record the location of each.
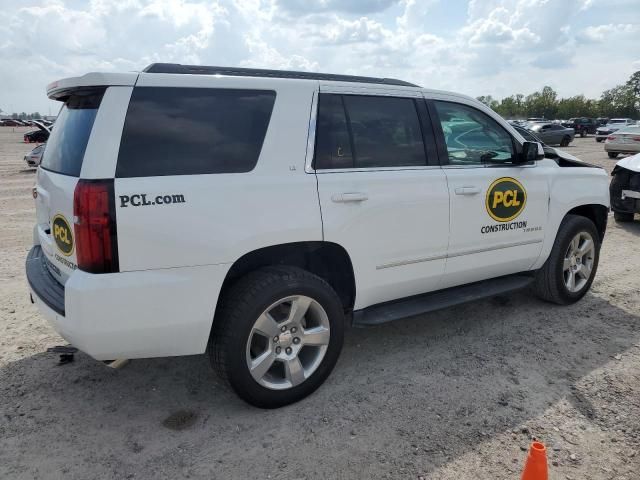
(151, 313)
(622, 147)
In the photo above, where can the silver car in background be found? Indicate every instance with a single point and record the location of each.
(34, 157)
(625, 140)
(553, 133)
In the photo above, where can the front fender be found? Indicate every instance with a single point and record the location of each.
(571, 187)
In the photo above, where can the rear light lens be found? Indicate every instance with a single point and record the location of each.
(611, 137)
(95, 226)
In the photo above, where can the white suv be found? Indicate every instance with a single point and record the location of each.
(248, 213)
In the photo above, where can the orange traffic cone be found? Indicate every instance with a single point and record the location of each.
(535, 467)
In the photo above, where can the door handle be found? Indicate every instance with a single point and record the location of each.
(467, 190)
(349, 197)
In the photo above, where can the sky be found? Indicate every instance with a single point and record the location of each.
(475, 47)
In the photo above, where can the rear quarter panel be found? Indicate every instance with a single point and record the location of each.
(225, 216)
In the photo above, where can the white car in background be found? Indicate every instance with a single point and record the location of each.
(613, 125)
(625, 140)
(34, 157)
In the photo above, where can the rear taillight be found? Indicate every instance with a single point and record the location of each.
(95, 226)
(611, 137)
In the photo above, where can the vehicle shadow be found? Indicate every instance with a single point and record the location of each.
(631, 227)
(404, 399)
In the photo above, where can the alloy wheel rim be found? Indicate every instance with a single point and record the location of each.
(578, 262)
(288, 342)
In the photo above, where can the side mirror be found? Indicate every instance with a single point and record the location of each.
(531, 151)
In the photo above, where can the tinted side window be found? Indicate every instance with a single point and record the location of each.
(333, 145)
(386, 131)
(70, 135)
(368, 132)
(472, 137)
(189, 131)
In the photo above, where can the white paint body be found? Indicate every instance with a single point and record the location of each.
(413, 234)
(630, 163)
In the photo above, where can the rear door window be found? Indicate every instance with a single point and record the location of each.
(190, 131)
(357, 131)
(70, 134)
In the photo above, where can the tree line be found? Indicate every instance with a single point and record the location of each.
(619, 101)
(26, 116)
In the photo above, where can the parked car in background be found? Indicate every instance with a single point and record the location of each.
(614, 125)
(582, 125)
(10, 122)
(536, 119)
(549, 152)
(625, 188)
(602, 121)
(625, 140)
(34, 157)
(553, 134)
(37, 136)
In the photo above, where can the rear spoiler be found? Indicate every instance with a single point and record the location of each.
(61, 89)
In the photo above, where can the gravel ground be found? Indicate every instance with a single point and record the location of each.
(457, 394)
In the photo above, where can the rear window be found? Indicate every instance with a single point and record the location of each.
(68, 140)
(190, 131)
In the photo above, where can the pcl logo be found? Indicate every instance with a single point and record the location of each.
(506, 199)
(62, 234)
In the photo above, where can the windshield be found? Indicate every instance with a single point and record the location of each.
(68, 141)
(618, 120)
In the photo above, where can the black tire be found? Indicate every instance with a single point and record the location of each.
(241, 306)
(623, 217)
(598, 140)
(583, 133)
(613, 154)
(549, 281)
(565, 141)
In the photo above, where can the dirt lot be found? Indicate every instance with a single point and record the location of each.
(453, 395)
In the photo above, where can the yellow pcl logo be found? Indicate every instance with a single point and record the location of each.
(62, 234)
(506, 198)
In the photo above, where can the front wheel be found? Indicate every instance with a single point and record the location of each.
(613, 154)
(569, 271)
(277, 335)
(565, 142)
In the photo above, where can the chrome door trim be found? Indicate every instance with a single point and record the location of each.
(494, 247)
(402, 263)
(311, 135)
(410, 262)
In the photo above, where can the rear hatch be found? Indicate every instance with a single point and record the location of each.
(58, 176)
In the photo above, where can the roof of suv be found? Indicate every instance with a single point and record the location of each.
(177, 68)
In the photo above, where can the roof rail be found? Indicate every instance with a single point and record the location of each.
(258, 72)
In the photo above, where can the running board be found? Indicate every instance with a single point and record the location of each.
(429, 302)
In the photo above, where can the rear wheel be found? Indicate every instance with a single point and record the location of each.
(613, 154)
(277, 335)
(598, 140)
(569, 271)
(623, 217)
(583, 133)
(565, 141)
